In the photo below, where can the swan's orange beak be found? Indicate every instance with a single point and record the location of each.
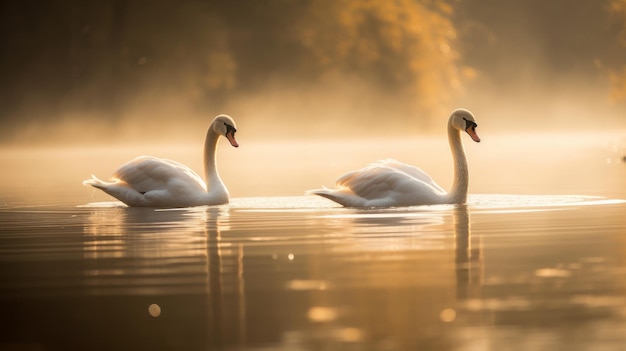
(230, 135)
(472, 133)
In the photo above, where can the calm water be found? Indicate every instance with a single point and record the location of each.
(542, 267)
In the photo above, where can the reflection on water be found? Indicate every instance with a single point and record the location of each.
(468, 256)
(504, 272)
(131, 262)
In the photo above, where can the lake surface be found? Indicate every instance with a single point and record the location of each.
(535, 261)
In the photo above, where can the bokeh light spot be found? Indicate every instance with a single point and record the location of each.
(154, 310)
(447, 315)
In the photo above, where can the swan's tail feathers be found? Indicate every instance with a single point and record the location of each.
(341, 197)
(96, 182)
(323, 192)
(317, 191)
(327, 193)
(118, 189)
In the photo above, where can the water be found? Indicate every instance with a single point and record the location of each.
(542, 267)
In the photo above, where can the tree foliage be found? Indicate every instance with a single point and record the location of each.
(70, 55)
(617, 76)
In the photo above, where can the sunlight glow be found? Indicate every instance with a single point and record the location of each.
(308, 285)
(552, 273)
(349, 334)
(322, 314)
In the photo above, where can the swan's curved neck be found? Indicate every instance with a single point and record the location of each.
(212, 177)
(458, 191)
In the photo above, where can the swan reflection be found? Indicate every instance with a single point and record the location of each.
(395, 274)
(293, 278)
(387, 230)
(178, 255)
(147, 250)
(468, 255)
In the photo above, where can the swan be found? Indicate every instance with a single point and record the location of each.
(148, 181)
(389, 183)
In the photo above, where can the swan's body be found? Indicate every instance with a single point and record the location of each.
(390, 183)
(154, 182)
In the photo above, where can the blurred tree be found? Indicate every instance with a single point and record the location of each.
(536, 48)
(617, 76)
(72, 57)
(402, 46)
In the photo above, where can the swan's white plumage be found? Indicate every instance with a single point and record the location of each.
(146, 173)
(383, 183)
(155, 182)
(389, 183)
(381, 176)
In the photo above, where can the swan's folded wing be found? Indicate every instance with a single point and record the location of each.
(147, 173)
(379, 180)
(186, 172)
(411, 171)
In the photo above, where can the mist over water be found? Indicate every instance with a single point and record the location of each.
(567, 163)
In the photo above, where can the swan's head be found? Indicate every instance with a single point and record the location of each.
(463, 120)
(224, 125)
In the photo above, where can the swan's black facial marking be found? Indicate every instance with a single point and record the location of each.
(469, 124)
(229, 128)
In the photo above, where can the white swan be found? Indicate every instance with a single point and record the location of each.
(388, 183)
(153, 182)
